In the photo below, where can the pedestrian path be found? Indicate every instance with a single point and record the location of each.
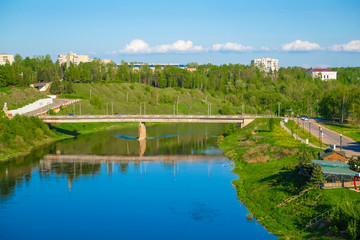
(296, 137)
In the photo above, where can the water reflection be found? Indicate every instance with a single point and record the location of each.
(84, 155)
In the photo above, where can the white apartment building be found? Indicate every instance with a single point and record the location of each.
(265, 64)
(6, 58)
(72, 58)
(323, 73)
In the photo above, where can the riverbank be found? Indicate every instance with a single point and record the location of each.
(61, 132)
(266, 162)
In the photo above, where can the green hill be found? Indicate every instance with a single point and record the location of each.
(126, 98)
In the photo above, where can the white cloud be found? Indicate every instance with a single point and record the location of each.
(237, 47)
(353, 46)
(299, 45)
(138, 46)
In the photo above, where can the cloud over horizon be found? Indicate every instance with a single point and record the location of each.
(352, 46)
(230, 46)
(299, 45)
(138, 46)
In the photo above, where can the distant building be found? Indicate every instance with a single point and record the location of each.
(4, 58)
(265, 64)
(152, 66)
(323, 73)
(72, 58)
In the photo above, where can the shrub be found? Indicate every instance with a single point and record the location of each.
(226, 110)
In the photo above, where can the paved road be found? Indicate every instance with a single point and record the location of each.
(56, 103)
(350, 146)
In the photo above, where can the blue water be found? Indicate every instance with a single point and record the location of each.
(125, 200)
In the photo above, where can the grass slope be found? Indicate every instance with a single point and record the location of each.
(125, 98)
(17, 97)
(303, 134)
(273, 177)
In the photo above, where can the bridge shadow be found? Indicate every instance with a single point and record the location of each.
(64, 131)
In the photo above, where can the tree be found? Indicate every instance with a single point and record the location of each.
(56, 86)
(317, 176)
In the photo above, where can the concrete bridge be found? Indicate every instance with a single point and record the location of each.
(142, 119)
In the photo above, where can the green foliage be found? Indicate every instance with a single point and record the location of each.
(271, 124)
(51, 112)
(229, 129)
(21, 132)
(96, 101)
(346, 218)
(305, 166)
(317, 176)
(354, 163)
(226, 110)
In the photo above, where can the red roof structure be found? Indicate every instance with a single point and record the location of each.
(320, 70)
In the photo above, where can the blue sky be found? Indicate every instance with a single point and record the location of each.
(300, 33)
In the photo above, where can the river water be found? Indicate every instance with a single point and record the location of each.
(107, 185)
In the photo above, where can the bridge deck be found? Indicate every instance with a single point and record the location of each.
(145, 118)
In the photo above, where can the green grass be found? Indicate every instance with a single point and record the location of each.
(17, 97)
(262, 186)
(126, 98)
(303, 133)
(349, 130)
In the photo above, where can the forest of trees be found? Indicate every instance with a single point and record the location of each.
(260, 92)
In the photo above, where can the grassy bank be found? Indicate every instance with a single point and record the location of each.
(21, 134)
(266, 162)
(302, 133)
(17, 97)
(126, 98)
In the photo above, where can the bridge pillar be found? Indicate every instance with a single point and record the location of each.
(142, 147)
(142, 130)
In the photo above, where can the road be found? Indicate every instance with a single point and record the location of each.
(350, 146)
(56, 103)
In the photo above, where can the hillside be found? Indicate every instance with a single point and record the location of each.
(16, 97)
(125, 98)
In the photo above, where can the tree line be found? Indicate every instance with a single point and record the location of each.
(291, 89)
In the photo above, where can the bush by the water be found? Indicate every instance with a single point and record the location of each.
(21, 132)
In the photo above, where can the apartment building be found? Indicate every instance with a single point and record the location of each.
(4, 58)
(323, 73)
(73, 58)
(265, 64)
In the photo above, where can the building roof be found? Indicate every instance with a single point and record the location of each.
(329, 151)
(334, 167)
(320, 70)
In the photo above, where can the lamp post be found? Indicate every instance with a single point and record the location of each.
(320, 135)
(340, 142)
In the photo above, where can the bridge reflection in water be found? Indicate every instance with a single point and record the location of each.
(75, 166)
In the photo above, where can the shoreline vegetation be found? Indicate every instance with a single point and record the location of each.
(22, 134)
(267, 162)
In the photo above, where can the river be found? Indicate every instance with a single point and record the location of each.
(107, 185)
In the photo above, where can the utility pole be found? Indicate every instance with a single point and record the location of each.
(127, 96)
(112, 108)
(210, 109)
(279, 103)
(107, 112)
(90, 93)
(177, 106)
(320, 135)
(144, 109)
(340, 142)
(140, 108)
